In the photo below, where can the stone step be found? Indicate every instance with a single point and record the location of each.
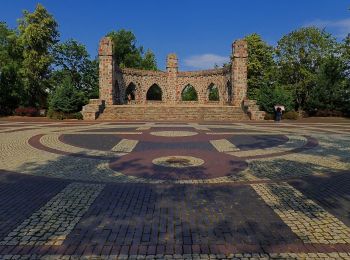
(182, 113)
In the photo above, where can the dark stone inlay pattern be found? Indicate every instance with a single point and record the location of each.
(251, 142)
(331, 192)
(233, 130)
(20, 196)
(121, 129)
(91, 141)
(182, 215)
(149, 146)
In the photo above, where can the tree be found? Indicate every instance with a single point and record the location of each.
(38, 34)
(269, 96)
(261, 65)
(299, 57)
(11, 87)
(331, 88)
(71, 57)
(149, 61)
(345, 56)
(128, 55)
(66, 98)
(72, 60)
(90, 79)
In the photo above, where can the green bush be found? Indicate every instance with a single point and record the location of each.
(291, 115)
(79, 116)
(66, 99)
(60, 115)
(270, 96)
(269, 116)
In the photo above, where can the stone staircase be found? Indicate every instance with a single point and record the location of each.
(252, 110)
(92, 110)
(173, 113)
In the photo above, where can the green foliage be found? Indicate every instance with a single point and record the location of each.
(271, 96)
(299, 57)
(10, 64)
(38, 34)
(345, 53)
(72, 60)
(128, 55)
(66, 98)
(291, 115)
(261, 65)
(332, 89)
(71, 57)
(213, 93)
(189, 93)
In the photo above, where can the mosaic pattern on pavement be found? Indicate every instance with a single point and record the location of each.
(174, 191)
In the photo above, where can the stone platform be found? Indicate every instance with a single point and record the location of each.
(174, 113)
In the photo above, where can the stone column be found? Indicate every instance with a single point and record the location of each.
(239, 71)
(106, 71)
(172, 69)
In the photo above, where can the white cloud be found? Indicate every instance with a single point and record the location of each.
(340, 28)
(205, 61)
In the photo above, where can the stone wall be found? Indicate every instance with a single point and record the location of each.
(172, 85)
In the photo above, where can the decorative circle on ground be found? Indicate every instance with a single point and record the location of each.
(178, 161)
(141, 164)
(173, 133)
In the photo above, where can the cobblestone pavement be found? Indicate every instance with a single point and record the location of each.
(141, 190)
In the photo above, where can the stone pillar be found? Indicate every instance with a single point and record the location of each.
(106, 71)
(172, 68)
(239, 71)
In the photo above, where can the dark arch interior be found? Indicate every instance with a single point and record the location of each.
(130, 90)
(229, 91)
(189, 93)
(154, 93)
(213, 94)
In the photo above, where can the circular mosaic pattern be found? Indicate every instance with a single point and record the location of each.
(178, 161)
(173, 133)
(141, 164)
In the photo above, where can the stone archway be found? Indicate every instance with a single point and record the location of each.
(154, 93)
(189, 93)
(130, 92)
(213, 92)
(116, 93)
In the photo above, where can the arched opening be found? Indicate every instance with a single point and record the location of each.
(130, 92)
(213, 92)
(189, 93)
(116, 98)
(229, 92)
(154, 93)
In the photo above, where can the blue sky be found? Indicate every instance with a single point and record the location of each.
(200, 32)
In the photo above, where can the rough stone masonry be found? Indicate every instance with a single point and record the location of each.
(130, 87)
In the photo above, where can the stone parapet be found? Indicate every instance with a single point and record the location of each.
(203, 73)
(92, 110)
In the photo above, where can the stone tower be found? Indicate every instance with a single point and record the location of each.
(172, 68)
(239, 71)
(106, 70)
